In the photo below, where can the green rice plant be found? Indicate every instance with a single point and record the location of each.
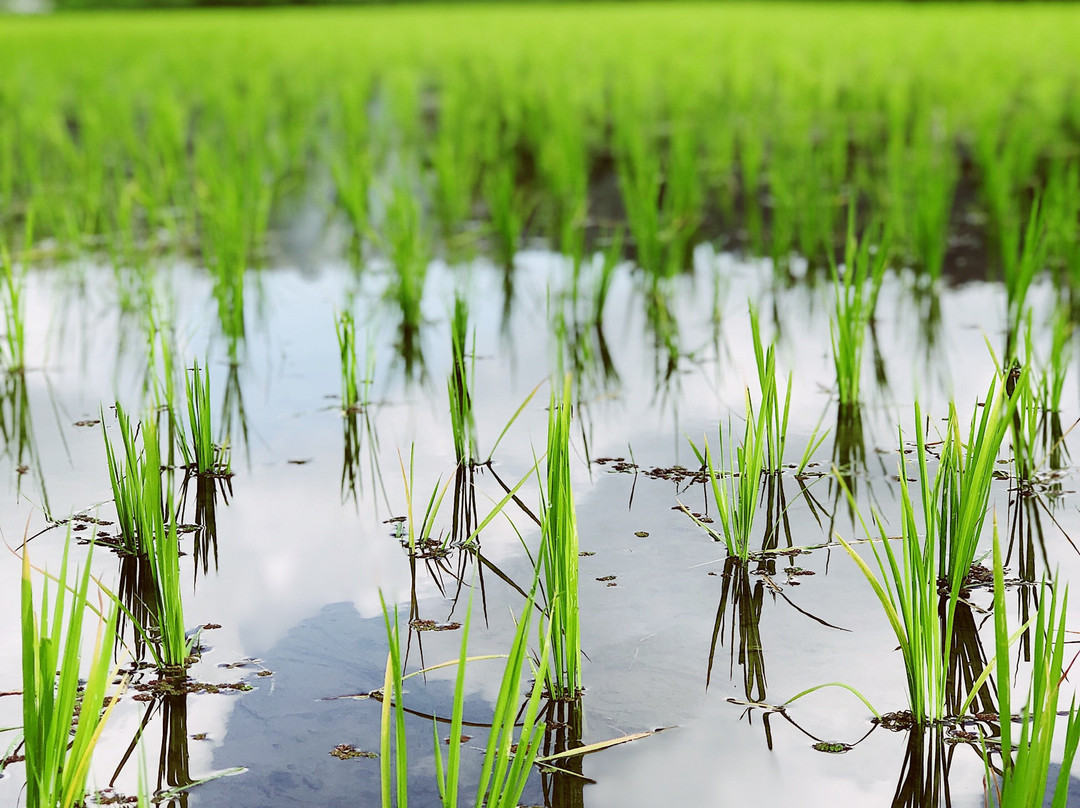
(855, 293)
(208, 458)
(419, 536)
(908, 590)
(961, 491)
(935, 191)
(349, 155)
(462, 418)
(1061, 352)
(776, 418)
(13, 354)
(456, 150)
(63, 717)
(355, 384)
(736, 483)
(559, 552)
(161, 356)
(126, 474)
(507, 203)
(408, 251)
(392, 693)
(1025, 772)
(1023, 258)
(160, 543)
(507, 761)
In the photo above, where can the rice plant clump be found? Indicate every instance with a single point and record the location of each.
(907, 588)
(55, 698)
(462, 418)
(1024, 778)
(559, 553)
(736, 479)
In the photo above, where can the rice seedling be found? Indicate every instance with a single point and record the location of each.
(420, 536)
(507, 761)
(961, 491)
(736, 481)
(506, 203)
(1025, 771)
(559, 552)
(355, 388)
(456, 151)
(908, 590)
(462, 419)
(208, 458)
(126, 473)
(63, 716)
(776, 417)
(855, 292)
(392, 693)
(144, 513)
(13, 354)
(158, 539)
(1024, 257)
(408, 251)
(350, 157)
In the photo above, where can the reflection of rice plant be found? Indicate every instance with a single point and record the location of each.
(742, 624)
(559, 552)
(462, 419)
(1024, 779)
(54, 698)
(736, 483)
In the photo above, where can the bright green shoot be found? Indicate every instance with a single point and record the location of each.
(507, 762)
(1025, 773)
(559, 552)
(14, 342)
(208, 457)
(58, 759)
(355, 382)
(125, 476)
(855, 294)
(776, 418)
(393, 770)
(961, 491)
(419, 536)
(736, 483)
(462, 418)
(160, 543)
(907, 588)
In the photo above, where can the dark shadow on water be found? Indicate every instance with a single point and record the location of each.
(285, 729)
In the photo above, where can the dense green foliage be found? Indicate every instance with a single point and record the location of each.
(768, 120)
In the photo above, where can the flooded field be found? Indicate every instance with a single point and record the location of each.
(705, 423)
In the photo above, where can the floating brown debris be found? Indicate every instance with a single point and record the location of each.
(345, 751)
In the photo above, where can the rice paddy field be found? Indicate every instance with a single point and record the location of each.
(562, 405)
